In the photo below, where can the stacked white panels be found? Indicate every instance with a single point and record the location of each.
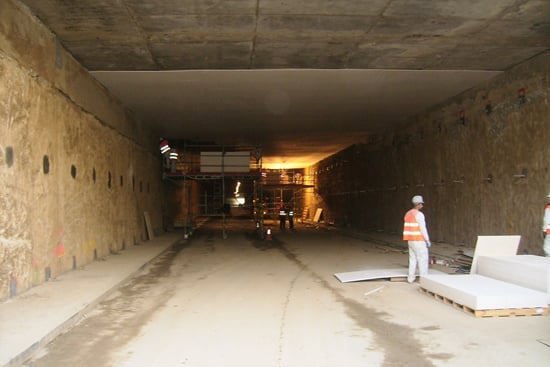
(494, 246)
(482, 293)
(231, 162)
(528, 271)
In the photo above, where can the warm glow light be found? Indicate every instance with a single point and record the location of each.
(237, 188)
(292, 162)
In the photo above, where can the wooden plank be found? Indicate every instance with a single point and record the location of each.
(507, 312)
(512, 312)
(148, 226)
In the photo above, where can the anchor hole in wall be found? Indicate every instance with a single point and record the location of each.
(133, 183)
(488, 108)
(74, 262)
(73, 171)
(489, 178)
(47, 273)
(462, 117)
(109, 179)
(93, 174)
(123, 245)
(9, 156)
(46, 164)
(521, 96)
(121, 181)
(95, 254)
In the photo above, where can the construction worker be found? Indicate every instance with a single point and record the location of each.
(415, 232)
(290, 214)
(546, 227)
(282, 217)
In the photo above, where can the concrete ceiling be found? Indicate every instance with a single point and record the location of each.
(298, 116)
(238, 35)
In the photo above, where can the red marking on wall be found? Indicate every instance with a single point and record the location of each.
(59, 250)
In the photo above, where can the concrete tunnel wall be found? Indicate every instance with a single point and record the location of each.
(447, 156)
(76, 170)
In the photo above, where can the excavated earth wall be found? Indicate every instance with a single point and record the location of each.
(77, 172)
(481, 160)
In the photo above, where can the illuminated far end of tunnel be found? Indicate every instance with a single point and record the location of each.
(281, 162)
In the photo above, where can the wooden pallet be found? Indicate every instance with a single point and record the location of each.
(506, 312)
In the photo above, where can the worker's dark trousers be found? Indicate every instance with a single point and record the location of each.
(282, 222)
(291, 222)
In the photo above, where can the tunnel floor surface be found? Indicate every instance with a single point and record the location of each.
(247, 302)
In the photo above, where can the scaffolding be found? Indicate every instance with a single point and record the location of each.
(212, 166)
(284, 187)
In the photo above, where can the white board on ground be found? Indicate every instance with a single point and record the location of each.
(317, 216)
(494, 246)
(528, 271)
(482, 293)
(373, 274)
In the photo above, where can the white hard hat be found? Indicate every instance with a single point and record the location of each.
(417, 200)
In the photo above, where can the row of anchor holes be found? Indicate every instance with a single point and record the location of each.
(9, 159)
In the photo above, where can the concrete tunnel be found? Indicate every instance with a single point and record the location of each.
(82, 118)
(350, 107)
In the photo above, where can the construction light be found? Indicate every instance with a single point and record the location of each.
(164, 146)
(237, 188)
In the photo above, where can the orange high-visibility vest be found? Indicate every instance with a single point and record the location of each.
(411, 229)
(547, 226)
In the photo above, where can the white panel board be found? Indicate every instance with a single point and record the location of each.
(528, 271)
(317, 216)
(235, 162)
(494, 246)
(372, 274)
(483, 293)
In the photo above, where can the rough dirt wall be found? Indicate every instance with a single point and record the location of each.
(481, 160)
(76, 171)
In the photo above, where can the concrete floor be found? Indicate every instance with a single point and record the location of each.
(244, 302)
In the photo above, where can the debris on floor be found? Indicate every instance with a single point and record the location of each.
(374, 291)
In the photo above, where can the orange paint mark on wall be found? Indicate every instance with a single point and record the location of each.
(59, 250)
